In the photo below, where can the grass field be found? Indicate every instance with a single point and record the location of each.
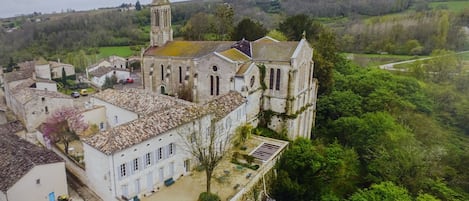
(370, 60)
(122, 51)
(454, 6)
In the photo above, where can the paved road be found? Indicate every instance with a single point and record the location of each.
(83, 191)
(390, 66)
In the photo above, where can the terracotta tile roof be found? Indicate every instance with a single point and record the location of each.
(23, 92)
(26, 71)
(104, 70)
(140, 130)
(273, 51)
(18, 156)
(235, 55)
(139, 101)
(224, 104)
(189, 49)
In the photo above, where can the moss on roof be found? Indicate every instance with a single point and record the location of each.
(275, 51)
(235, 55)
(188, 48)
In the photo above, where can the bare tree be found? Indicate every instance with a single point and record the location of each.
(208, 147)
(63, 125)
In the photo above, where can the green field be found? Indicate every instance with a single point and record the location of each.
(454, 6)
(122, 51)
(377, 59)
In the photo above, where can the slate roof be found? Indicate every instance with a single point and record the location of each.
(140, 130)
(224, 104)
(188, 49)
(18, 156)
(139, 101)
(104, 70)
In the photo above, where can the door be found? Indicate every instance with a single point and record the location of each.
(137, 186)
(149, 182)
(161, 174)
(52, 196)
(187, 165)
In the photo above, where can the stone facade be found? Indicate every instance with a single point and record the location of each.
(275, 77)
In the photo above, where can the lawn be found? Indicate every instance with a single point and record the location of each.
(453, 6)
(377, 59)
(122, 51)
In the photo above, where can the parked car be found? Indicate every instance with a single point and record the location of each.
(84, 92)
(75, 94)
(129, 80)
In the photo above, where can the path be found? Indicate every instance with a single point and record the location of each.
(390, 66)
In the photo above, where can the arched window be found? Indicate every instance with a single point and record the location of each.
(271, 80)
(162, 72)
(277, 84)
(180, 74)
(218, 85)
(211, 85)
(162, 90)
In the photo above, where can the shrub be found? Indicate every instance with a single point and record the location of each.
(206, 196)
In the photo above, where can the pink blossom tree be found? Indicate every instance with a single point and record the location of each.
(63, 125)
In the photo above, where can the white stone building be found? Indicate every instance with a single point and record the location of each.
(146, 146)
(275, 77)
(29, 172)
(56, 69)
(99, 75)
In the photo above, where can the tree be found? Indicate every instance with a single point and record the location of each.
(248, 30)
(294, 27)
(224, 15)
(109, 82)
(277, 35)
(64, 77)
(138, 6)
(11, 65)
(63, 125)
(208, 146)
(385, 191)
(308, 170)
(443, 65)
(198, 26)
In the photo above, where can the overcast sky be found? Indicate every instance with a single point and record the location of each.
(12, 8)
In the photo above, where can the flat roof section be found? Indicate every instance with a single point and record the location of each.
(265, 151)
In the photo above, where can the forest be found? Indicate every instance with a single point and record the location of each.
(378, 135)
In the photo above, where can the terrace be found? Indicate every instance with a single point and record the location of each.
(230, 181)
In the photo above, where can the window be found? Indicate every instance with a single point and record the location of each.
(253, 79)
(277, 83)
(171, 149)
(38, 181)
(271, 80)
(214, 68)
(46, 109)
(101, 126)
(160, 153)
(162, 72)
(135, 163)
(43, 99)
(148, 159)
(218, 86)
(123, 170)
(180, 74)
(211, 85)
(163, 91)
(116, 119)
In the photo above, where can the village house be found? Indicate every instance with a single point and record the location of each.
(32, 99)
(145, 144)
(28, 172)
(275, 77)
(57, 68)
(106, 68)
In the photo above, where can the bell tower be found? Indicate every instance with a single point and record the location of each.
(161, 31)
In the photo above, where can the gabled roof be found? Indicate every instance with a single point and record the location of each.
(188, 49)
(54, 64)
(18, 156)
(140, 130)
(100, 71)
(224, 104)
(235, 55)
(140, 101)
(27, 94)
(273, 51)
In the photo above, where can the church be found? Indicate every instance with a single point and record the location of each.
(275, 77)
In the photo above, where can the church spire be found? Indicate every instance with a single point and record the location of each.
(161, 31)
